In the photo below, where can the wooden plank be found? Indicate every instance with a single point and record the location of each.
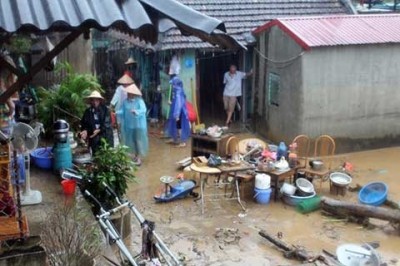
(9, 228)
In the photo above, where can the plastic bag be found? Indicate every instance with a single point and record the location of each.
(214, 160)
(191, 112)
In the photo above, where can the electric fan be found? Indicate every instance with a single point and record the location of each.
(24, 139)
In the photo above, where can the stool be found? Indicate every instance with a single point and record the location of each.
(337, 190)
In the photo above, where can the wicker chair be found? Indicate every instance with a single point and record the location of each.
(324, 149)
(303, 149)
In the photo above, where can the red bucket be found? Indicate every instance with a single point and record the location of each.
(68, 186)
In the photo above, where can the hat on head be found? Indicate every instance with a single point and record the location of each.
(95, 95)
(130, 61)
(133, 89)
(125, 80)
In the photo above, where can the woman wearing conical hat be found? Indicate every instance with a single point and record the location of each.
(134, 124)
(96, 123)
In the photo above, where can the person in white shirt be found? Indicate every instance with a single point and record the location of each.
(233, 89)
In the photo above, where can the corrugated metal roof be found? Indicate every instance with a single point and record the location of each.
(243, 16)
(339, 30)
(137, 17)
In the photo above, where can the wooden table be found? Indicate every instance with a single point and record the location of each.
(205, 145)
(205, 171)
(278, 176)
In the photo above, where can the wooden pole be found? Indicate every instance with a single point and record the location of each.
(44, 61)
(10, 67)
(344, 209)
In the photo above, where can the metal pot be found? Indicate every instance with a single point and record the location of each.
(60, 126)
(316, 164)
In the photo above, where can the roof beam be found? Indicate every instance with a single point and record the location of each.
(44, 61)
(10, 67)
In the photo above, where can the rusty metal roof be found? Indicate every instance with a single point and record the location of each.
(137, 17)
(339, 30)
(243, 16)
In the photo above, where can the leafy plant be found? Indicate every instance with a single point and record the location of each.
(112, 166)
(19, 44)
(69, 96)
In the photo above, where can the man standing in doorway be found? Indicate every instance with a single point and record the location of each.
(232, 90)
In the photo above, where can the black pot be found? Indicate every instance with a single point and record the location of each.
(60, 126)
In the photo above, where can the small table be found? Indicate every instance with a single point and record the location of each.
(278, 176)
(206, 171)
(226, 168)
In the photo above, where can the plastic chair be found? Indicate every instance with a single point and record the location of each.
(303, 149)
(324, 149)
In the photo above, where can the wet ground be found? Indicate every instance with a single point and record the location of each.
(224, 235)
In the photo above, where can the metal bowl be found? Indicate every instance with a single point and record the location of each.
(340, 179)
(316, 164)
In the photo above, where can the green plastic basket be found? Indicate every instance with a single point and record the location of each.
(309, 205)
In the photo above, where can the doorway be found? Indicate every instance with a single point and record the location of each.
(212, 67)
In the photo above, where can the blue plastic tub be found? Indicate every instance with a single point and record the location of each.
(42, 158)
(374, 194)
(262, 196)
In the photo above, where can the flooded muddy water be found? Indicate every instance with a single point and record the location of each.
(197, 239)
(224, 235)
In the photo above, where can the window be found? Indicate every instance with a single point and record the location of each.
(273, 89)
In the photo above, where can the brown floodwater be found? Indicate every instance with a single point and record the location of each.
(197, 238)
(194, 236)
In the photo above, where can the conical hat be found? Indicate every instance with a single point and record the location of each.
(133, 89)
(125, 80)
(95, 94)
(130, 61)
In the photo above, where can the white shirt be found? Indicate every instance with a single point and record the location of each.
(233, 83)
(119, 96)
(174, 66)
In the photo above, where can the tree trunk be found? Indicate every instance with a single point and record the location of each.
(342, 208)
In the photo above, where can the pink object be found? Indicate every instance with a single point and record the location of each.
(348, 167)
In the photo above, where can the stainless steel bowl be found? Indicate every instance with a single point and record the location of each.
(316, 164)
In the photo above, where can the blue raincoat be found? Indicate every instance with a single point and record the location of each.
(179, 111)
(134, 126)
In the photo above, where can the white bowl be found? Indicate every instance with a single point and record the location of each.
(340, 179)
(304, 185)
(288, 189)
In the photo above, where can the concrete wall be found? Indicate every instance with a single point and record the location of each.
(284, 59)
(187, 74)
(352, 92)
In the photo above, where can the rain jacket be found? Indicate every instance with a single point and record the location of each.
(178, 110)
(134, 126)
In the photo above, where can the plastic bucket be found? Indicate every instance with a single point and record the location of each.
(68, 187)
(263, 181)
(262, 196)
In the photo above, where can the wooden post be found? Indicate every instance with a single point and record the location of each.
(44, 61)
(10, 67)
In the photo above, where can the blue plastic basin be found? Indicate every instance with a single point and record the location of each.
(43, 158)
(374, 194)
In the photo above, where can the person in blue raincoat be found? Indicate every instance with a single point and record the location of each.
(134, 127)
(178, 125)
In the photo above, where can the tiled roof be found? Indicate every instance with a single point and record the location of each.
(339, 30)
(243, 16)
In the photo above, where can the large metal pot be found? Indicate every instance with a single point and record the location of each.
(60, 126)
